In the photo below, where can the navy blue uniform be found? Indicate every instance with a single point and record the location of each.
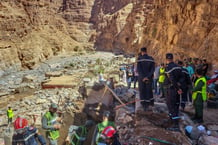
(29, 137)
(173, 83)
(184, 86)
(145, 68)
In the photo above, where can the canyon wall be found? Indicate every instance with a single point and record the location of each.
(32, 31)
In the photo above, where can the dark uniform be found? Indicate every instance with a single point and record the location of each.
(172, 84)
(145, 68)
(185, 87)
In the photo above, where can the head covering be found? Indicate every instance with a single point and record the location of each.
(188, 129)
(108, 132)
(53, 105)
(169, 56)
(20, 123)
(143, 49)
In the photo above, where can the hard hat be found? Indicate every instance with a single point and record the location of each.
(20, 123)
(108, 132)
(188, 129)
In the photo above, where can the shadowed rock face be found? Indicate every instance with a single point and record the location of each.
(32, 31)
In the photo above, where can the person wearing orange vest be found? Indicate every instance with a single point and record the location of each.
(199, 95)
(10, 115)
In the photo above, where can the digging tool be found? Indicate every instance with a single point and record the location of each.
(157, 140)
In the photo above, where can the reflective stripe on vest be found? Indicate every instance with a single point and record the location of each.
(162, 75)
(54, 134)
(10, 113)
(203, 90)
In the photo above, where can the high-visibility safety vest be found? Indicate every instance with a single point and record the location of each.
(10, 113)
(203, 90)
(101, 126)
(53, 134)
(162, 75)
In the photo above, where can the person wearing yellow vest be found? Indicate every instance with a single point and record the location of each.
(51, 123)
(199, 95)
(101, 126)
(10, 115)
(161, 79)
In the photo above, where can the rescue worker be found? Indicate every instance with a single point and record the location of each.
(110, 136)
(24, 135)
(185, 85)
(51, 122)
(101, 126)
(10, 115)
(155, 80)
(145, 67)
(172, 83)
(161, 79)
(199, 95)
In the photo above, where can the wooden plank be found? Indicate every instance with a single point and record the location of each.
(116, 97)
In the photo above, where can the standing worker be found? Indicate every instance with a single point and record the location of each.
(10, 115)
(184, 86)
(145, 67)
(199, 95)
(51, 122)
(161, 79)
(172, 83)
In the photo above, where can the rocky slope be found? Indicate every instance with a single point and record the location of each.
(34, 30)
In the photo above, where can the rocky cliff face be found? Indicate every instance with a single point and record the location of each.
(34, 30)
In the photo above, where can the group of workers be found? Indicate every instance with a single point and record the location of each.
(174, 80)
(27, 134)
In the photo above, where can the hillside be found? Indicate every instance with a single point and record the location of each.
(32, 31)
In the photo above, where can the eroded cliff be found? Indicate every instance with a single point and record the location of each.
(34, 30)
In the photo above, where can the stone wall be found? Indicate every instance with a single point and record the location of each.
(32, 31)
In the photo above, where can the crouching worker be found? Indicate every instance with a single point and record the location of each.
(51, 122)
(109, 136)
(26, 135)
(101, 126)
(78, 134)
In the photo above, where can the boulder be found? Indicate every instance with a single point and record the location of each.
(28, 79)
(53, 74)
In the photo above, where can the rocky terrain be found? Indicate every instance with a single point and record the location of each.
(86, 99)
(42, 39)
(33, 31)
